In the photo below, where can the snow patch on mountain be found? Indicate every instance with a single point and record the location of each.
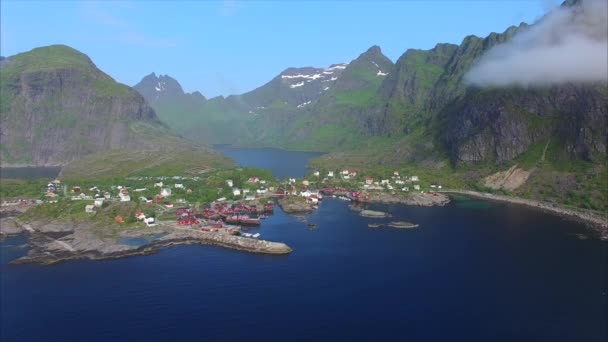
(302, 105)
(312, 77)
(299, 84)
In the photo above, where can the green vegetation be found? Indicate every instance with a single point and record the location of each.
(21, 189)
(123, 163)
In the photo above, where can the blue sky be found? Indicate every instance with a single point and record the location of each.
(228, 47)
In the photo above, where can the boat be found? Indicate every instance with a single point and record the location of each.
(246, 234)
(256, 235)
(375, 225)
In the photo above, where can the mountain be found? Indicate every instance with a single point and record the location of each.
(57, 107)
(287, 111)
(164, 89)
(336, 120)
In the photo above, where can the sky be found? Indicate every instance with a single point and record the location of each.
(231, 47)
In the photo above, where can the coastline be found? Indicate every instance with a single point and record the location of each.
(593, 220)
(54, 242)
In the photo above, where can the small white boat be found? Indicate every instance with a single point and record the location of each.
(256, 235)
(246, 234)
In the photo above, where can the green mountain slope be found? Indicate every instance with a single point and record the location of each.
(57, 107)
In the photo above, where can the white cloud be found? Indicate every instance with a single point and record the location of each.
(567, 45)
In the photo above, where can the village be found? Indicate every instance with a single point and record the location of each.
(226, 201)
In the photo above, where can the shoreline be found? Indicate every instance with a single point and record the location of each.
(48, 258)
(78, 241)
(595, 221)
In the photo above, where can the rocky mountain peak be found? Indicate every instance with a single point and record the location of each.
(156, 88)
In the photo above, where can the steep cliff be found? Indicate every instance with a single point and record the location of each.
(57, 106)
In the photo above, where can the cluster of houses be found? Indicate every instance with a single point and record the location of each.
(395, 182)
(258, 188)
(52, 189)
(248, 194)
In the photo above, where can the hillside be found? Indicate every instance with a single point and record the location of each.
(57, 107)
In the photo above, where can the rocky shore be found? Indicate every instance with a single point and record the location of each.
(294, 204)
(594, 220)
(52, 242)
(427, 199)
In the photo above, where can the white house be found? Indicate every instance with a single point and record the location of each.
(369, 180)
(261, 191)
(313, 200)
(414, 178)
(107, 195)
(396, 173)
(229, 182)
(249, 198)
(89, 208)
(405, 188)
(390, 187)
(305, 183)
(438, 186)
(165, 192)
(399, 181)
(246, 191)
(384, 181)
(262, 181)
(292, 181)
(306, 193)
(416, 187)
(316, 173)
(236, 192)
(179, 186)
(98, 202)
(158, 185)
(150, 221)
(124, 196)
(344, 172)
(346, 177)
(140, 189)
(330, 174)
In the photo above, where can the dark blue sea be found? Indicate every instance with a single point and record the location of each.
(472, 271)
(282, 163)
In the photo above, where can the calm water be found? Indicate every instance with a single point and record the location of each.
(470, 272)
(29, 172)
(282, 163)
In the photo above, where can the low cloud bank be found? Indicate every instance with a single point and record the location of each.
(570, 44)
